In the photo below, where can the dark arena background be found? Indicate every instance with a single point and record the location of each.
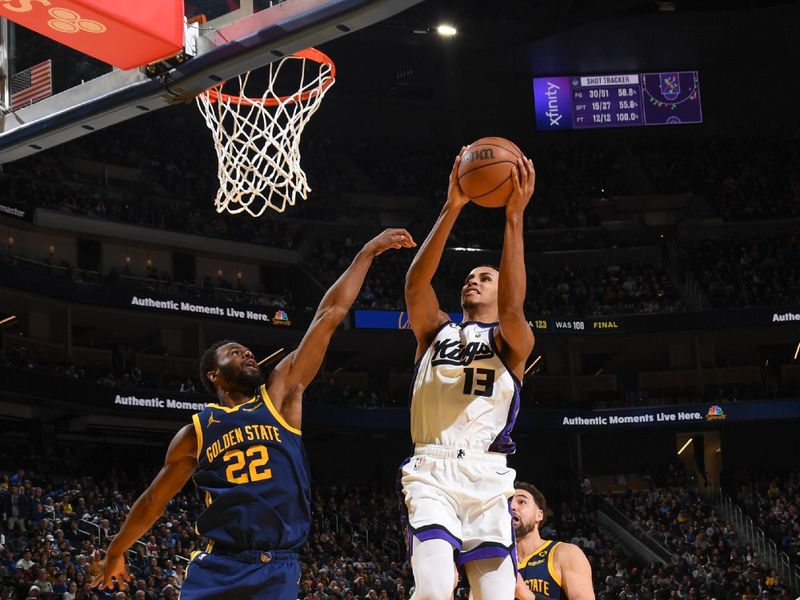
(661, 404)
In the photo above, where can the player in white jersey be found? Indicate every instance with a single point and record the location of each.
(465, 398)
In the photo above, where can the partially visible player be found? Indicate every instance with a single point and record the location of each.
(548, 570)
(247, 457)
(464, 402)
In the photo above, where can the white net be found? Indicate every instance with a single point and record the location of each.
(258, 139)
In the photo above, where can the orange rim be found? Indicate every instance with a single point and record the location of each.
(215, 93)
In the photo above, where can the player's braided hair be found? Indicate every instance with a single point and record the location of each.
(208, 362)
(538, 497)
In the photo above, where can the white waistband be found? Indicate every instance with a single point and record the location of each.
(437, 451)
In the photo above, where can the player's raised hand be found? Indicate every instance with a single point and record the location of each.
(114, 572)
(389, 238)
(455, 195)
(524, 177)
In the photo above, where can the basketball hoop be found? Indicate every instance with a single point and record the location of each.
(257, 139)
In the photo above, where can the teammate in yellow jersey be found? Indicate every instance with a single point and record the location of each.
(547, 570)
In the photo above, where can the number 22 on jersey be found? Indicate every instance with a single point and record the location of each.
(248, 465)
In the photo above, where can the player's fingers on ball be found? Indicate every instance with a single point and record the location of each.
(516, 178)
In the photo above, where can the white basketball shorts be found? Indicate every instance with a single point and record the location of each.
(461, 496)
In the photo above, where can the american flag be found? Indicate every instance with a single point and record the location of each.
(31, 85)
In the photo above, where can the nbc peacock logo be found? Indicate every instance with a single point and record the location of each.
(281, 318)
(715, 413)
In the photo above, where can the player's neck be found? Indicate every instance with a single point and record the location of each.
(528, 543)
(234, 399)
(480, 314)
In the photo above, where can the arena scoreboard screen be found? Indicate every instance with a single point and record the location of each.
(616, 100)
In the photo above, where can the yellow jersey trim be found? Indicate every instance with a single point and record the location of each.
(275, 412)
(551, 567)
(524, 561)
(198, 431)
(235, 408)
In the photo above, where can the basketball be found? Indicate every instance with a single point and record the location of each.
(486, 170)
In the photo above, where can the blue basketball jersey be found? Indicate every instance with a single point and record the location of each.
(539, 574)
(253, 471)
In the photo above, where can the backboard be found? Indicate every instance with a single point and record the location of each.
(223, 38)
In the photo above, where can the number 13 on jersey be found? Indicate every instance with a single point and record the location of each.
(478, 382)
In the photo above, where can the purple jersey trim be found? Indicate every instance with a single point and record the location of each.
(503, 442)
(486, 550)
(436, 532)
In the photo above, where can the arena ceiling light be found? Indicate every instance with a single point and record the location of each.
(446, 30)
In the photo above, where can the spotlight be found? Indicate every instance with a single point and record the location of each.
(446, 30)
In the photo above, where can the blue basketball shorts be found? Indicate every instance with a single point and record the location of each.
(251, 575)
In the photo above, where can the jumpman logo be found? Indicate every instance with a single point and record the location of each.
(461, 453)
(212, 420)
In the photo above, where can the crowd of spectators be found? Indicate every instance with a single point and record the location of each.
(126, 379)
(564, 291)
(125, 376)
(745, 177)
(151, 279)
(773, 501)
(57, 520)
(711, 561)
(46, 182)
(750, 270)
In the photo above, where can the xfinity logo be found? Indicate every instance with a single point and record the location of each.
(553, 112)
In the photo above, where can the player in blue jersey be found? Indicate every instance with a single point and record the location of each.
(464, 402)
(548, 570)
(246, 455)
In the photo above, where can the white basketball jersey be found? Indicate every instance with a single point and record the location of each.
(462, 394)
